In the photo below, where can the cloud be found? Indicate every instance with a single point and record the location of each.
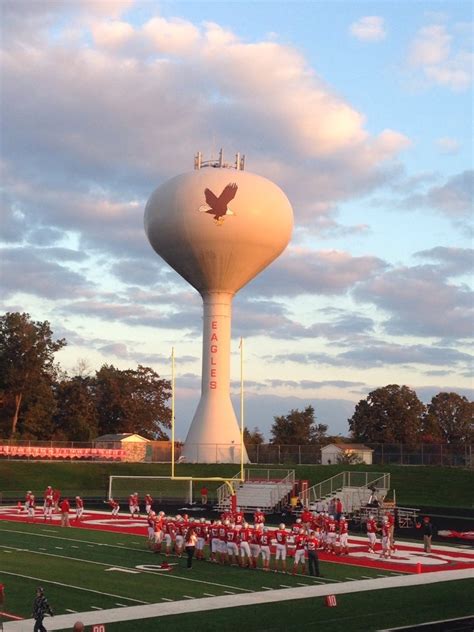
(431, 52)
(380, 354)
(454, 198)
(447, 145)
(452, 261)
(370, 28)
(303, 271)
(31, 271)
(420, 302)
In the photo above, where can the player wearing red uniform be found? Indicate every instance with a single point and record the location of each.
(48, 508)
(300, 551)
(148, 503)
(238, 518)
(150, 522)
(386, 553)
(306, 517)
(65, 507)
(281, 537)
(56, 497)
(266, 537)
(372, 533)
(258, 517)
(31, 505)
(254, 543)
(79, 508)
(200, 529)
(134, 505)
(214, 542)
(157, 532)
(331, 530)
(181, 529)
(169, 531)
(114, 506)
(391, 522)
(232, 535)
(27, 500)
(344, 535)
(244, 545)
(222, 552)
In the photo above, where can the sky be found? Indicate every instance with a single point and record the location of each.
(360, 111)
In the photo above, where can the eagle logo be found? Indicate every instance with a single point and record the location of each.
(217, 206)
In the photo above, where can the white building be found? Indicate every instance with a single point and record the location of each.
(337, 452)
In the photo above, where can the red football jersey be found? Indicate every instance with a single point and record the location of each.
(281, 536)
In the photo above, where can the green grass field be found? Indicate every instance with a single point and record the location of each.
(74, 568)
(415, 485)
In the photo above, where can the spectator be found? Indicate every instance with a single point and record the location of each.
(204, 495)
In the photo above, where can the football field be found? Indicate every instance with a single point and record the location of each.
(111, 577)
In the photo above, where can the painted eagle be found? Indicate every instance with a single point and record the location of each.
(217, 206)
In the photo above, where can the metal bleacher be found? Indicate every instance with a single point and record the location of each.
(265, 489)
(352, 488)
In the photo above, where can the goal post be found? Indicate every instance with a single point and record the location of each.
(167, 488)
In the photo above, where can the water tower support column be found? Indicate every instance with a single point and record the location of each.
(214, 422)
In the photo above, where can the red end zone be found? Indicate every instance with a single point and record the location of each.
(408, 558)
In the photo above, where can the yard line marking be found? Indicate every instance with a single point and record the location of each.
(367, 576)
(208, 595)
(96, 608)
(266, 588)
(98, 592)
(120, 604)
(69, 610)
(304, 584)
(42, 549)
(285, 586)
(57, 537)
(168, 575)
(166, 599)
(229, 592)
(189, 597)
(59, 547)
(353, 579)
(73, 546)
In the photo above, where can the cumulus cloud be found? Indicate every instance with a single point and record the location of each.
(432, 53)
(454, 198)
(370, 28)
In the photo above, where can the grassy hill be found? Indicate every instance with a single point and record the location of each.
(415, 485)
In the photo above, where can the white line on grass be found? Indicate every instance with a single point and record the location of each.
(228, 592)
(166, 599)
(96, 608)
(122, 605)
(69, 610)
(138, 613)
(128, 568)
(208, 595)
(285, 586)
(189, 597)
(97, 592)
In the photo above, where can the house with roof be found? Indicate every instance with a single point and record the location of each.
(337, 452)
(134, 445)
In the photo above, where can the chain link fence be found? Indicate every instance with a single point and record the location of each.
(441, 454)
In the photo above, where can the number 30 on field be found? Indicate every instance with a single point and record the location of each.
(98, 628)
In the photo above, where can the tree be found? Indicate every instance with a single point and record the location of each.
(132, 401)
(449, 418)
(27, 367)
(253, 438)
(76, 414)
(389, 414)
(297, 428)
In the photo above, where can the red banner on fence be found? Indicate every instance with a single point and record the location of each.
(61, 453)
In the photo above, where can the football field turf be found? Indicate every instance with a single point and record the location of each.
(83, 570)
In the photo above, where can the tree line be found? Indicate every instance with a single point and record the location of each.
(38, 400)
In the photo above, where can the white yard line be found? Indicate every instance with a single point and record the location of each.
(232, 601)
(421, 625)
(128, 568)
(91, 590)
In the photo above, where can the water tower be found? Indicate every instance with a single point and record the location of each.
(217, 226)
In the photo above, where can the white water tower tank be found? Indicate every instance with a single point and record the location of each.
(217, 226)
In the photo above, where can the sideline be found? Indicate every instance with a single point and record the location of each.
(132, 613)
